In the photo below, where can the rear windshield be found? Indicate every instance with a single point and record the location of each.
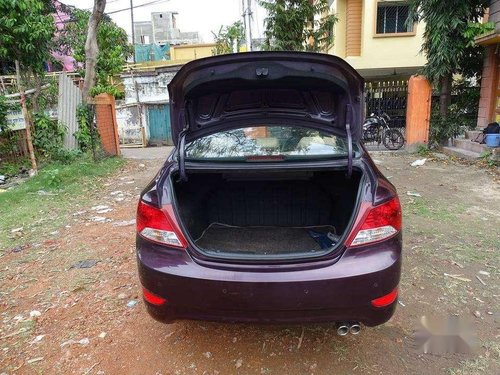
(272, 141)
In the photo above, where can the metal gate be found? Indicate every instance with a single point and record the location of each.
(70, 97)
(389, 97)
(159, 124)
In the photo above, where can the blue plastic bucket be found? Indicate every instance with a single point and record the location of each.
(492, 140)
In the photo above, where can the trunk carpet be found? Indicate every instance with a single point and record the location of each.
(260, 240)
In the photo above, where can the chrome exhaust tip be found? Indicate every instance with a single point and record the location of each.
(342, 328)
(355, 328)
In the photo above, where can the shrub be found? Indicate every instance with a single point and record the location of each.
(10, 169)
(84, 134)
(48, 135)
(461, 116)
(65, 156)
(108, 89)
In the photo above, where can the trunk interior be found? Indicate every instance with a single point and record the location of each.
(259, 214)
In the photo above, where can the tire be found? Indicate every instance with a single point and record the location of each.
(393, 139)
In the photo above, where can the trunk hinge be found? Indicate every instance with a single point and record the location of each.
(181, 149)
(348, 112)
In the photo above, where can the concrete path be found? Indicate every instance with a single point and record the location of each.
(147, 153)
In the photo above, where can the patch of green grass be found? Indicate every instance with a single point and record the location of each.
(435, 211)
(467, 253)
(42, 203)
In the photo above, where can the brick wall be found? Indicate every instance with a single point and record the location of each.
(488, 86)
(106, 123)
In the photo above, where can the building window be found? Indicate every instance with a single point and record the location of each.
(392, 18)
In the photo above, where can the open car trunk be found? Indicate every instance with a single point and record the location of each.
(266, 214)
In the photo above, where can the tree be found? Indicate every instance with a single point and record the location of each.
(92, 48)
(227, 37)
(451, 27)
(298, 25)
(26, 30)
(111, 40)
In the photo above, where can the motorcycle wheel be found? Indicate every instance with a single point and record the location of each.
(369, 135)
(393, 139)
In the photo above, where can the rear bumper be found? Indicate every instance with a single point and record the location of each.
(322, 293)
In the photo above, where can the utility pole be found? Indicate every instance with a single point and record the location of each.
(132, 22)
(247, 18)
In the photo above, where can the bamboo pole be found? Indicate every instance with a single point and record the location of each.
(27, 119)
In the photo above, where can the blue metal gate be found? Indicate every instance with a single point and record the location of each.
(159, 124)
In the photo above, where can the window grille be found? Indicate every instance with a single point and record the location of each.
(392, 18)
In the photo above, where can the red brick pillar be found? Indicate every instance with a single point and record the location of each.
(418, 112)
(488, 88)
(105, 112)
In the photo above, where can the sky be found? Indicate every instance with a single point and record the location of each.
(203, 16)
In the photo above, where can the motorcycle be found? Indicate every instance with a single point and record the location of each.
(376, 129)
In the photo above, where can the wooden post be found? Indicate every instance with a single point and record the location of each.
(27, 119)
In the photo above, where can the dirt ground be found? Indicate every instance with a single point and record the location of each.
(92, 320)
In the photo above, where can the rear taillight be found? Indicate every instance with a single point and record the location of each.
(376, 223)
(153, 298)
(385, 300)
(159, 225)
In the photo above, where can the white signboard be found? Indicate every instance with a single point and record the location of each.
(15, 120)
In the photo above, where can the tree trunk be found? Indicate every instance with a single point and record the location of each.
(310, 42)
(26, 116)
(92, 49)
(445, 95)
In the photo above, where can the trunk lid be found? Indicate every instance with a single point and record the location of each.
(287, 88)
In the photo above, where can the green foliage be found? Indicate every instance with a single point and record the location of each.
(49, 96)
(444, 128)
(48, 135)
(108, 89)
(488, 158)
(26, 31)
(451, 27)
(111, 39)
(65, 156)
(14, 168)
(461, 114)
(51, 178)
(298, 25)
(423, 150)
(226, 37)
(465, 101)
(85, 135)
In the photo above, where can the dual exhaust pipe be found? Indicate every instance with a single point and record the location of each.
(343, 328)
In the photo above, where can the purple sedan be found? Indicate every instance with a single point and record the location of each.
(269, 209)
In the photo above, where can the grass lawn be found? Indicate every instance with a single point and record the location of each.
(44, 202)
